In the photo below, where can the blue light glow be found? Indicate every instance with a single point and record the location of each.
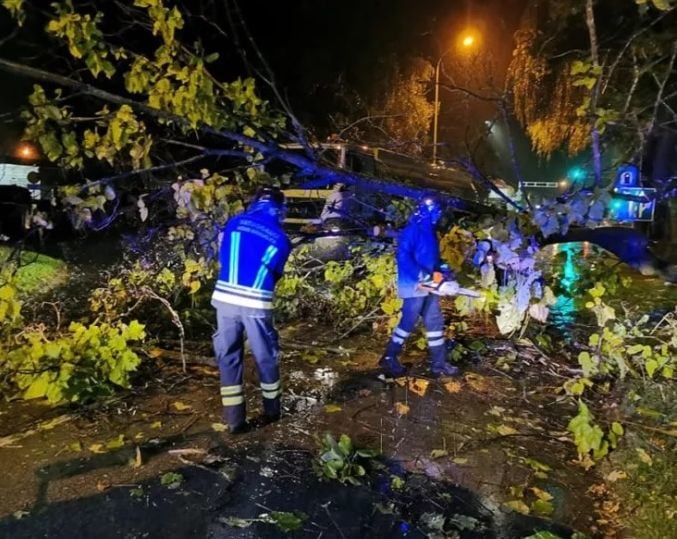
(576, 174)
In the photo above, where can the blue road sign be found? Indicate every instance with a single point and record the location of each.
(633, 210)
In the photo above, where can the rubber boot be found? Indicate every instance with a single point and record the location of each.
(236, 418)
(271, 410)
(439, 366)
(392, 367)
(444, 369)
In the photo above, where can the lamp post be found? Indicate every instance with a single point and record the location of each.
(467, 41)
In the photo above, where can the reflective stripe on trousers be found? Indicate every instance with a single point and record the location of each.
(427, 308)
(233, 323)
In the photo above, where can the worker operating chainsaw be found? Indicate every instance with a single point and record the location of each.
(419, 272)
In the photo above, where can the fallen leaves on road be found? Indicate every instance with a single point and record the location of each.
(542, 494)
(401, 408)
(75, 447)
(180, 406)
(616, 475)
(477, 382)
(454, 386)
(171, 480)
(542, 507)
(332, 408)
(503, 430)
(97, 448)
(116, 443)
(155, 353)
(519, 506)
(644, 456)
(419, 386)
(219, 427)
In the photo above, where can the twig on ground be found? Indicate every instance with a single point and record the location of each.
(326, 509)
(187, 451)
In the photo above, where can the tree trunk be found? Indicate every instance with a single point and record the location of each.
(594, 131)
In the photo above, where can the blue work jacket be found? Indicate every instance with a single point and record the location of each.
(254, 250)
(418, 256)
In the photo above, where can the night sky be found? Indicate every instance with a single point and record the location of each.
(319, 48)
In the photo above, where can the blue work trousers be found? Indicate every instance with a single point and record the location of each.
(427, 308)
(232, 323)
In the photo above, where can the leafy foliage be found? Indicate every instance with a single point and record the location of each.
(560, 94)
(589, 437)
(622, 347)
(407, 107)
(339, 293)
(510, 248)
(31, 272)
(85, 362)
(342, 461)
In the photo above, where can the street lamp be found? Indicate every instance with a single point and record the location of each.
(466, 41)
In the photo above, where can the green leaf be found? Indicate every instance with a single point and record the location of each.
(588, 364)
(288, 522)
(651, 367)
(116, 443)
(542, 507)
(15, 7)
(135, 331)
(345, 444)
(38, 387)
(588, 82)
(397, 483)
(506, 430)
(544, 535)
(171, 480)
(519, 506)
(536, 465)
(635, 349)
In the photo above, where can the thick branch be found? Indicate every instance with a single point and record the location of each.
(269, 149)
(632, 38)
(454, 88)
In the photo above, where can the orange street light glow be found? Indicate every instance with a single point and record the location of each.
(26, 151)
(468, 41)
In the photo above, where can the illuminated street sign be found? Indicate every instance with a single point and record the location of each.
(632, 210)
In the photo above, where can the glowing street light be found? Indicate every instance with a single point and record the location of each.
(577, 173)
(467, 40)
(26, 151)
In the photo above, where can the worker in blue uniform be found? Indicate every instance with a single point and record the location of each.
(254, 250)
(418, 261)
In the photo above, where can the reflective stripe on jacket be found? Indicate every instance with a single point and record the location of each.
(418, 255)
(254, 250)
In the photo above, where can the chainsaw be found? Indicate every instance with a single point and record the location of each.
(448, 288)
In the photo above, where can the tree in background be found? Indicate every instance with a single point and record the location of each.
(407, 109)
(596, 75)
